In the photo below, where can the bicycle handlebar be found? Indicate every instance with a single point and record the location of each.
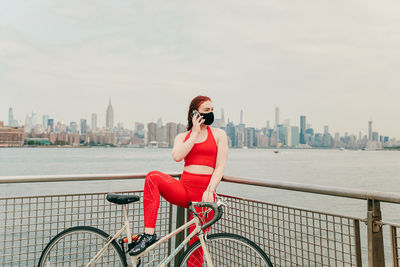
(215, 206)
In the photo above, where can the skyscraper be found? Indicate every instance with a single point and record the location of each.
(27, 125)
(93, 122)
(303, 129)
(151, 132)
(159, 123)
(45, 119)
(83, 126)
(241, 116)
(110, 117)
(231, 132)
(276, 117)
(295, 136)
(171, 133)
(326, 129)
(50, 125)
(370, 130)
(10, 117)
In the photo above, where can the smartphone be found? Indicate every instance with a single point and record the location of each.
(195, 113)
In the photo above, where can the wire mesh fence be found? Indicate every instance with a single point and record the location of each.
(292, 236)
(28, 223)
(395, 243)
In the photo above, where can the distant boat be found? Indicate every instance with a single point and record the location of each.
(342, 149)
(276, 151)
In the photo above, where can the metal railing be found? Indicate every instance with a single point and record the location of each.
(291, 236)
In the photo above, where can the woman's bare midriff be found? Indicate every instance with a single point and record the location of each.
(200, 169)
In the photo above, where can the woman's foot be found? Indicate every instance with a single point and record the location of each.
(143, 242)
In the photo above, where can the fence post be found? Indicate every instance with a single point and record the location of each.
(180, 220)
(393, 234)
(376, 256)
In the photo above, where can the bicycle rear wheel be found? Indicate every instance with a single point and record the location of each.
(226, 250)
(76, 246)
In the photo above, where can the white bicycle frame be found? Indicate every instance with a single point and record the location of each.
(167, 259)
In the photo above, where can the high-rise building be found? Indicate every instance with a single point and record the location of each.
(159, 123)
(10, 117)
(241, 116)
(33, 120)
(110, 117)
(161, 134)
(231, 132)
(370, 130)
(45, 119)
(50, 125)
(268, 125)
(250, 137)
(295, 136)
(11, 121)
(27, 125)
(220, 122)
(83, 126)
(288, 136)
(326, 129)
(276, 117)
(375, 136)
(302, 129)
(139, 127)
(73, 128)
(139, 130)
(93, 122)
(171, 133)
(151, 132)
(281, 134)
(180, 128)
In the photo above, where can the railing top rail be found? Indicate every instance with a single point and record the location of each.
(292, 186)
(318, 189)
(74, 177)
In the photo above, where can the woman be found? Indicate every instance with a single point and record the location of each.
(205, 150)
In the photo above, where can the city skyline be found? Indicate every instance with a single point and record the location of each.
(336, 67)
(277, 120)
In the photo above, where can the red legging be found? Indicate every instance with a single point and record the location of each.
(190, 187)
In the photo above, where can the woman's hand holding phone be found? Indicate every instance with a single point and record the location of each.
(197, 120)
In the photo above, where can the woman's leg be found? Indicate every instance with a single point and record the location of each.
(156, 184)
(195, 185)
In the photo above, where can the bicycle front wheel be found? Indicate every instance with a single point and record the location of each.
(226, 250)
(76, 246)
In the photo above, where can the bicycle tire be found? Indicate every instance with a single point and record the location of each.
(228, 250)
(75, 246)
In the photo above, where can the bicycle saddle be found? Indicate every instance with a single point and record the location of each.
(122, 199)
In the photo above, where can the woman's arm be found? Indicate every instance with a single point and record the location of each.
(182, 148)
(222, 156)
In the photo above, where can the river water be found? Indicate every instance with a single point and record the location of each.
(365, 170)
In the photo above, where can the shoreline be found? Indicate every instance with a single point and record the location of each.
(235, 148)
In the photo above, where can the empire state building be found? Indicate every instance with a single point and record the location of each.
(110, 117)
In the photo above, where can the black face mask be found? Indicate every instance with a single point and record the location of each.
(208, 118)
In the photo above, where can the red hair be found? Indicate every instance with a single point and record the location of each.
(194, 105)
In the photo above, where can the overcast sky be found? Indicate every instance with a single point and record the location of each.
(337, 62)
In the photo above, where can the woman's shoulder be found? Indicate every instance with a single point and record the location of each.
(217, 132)
(182, 135)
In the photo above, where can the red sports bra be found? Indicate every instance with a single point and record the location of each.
(204, 153)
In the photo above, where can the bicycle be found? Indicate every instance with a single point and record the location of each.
(88, 246)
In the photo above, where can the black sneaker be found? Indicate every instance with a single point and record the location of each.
(143, 242)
